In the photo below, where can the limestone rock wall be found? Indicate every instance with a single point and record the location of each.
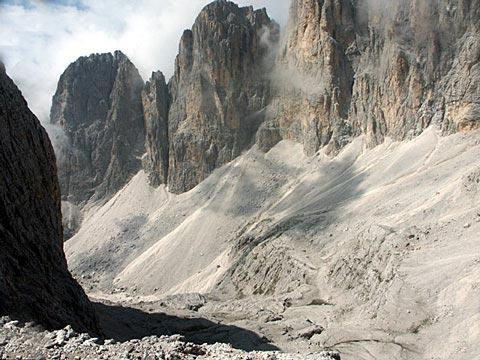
(340, 69)
(381, 68)
(219, 90)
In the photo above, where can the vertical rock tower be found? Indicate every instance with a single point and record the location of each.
(155, 99)
(219, 90)
(98, 104)
(343, 68)
(207, 115)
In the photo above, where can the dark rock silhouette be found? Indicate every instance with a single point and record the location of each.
(34, 280)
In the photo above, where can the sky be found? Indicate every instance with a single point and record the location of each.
(40, 38)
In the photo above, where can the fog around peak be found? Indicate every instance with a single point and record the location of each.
(40, 38)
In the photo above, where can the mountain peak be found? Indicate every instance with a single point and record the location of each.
(98, 104)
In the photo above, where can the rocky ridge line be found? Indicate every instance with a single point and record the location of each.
(341, 69)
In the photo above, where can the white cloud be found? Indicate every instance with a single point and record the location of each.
(38, 39)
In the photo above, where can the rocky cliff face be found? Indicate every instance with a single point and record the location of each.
(98, 104)
(313, 77)
(378, 68)
(34, 281)
(342, 68)
(218, 91)
(155, 99)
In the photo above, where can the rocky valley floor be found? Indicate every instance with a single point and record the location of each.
(374, 254)
(27, 341)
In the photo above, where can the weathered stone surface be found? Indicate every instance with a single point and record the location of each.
(419, 66)
(99, 106)
(313, 77)
(374, 67)
(155, 99)
(34, 281)
(218, 91)
(343, 68)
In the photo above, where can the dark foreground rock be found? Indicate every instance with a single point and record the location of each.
(34, 281)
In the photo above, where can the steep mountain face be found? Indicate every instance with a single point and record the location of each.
(378, 68)
(155, 99)
(313, 77)
(206, 116)
(34, 281)
(343, 68)
(344, 250)
(218, 91)
(98, 104)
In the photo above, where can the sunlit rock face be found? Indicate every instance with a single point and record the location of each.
(312, 81)
(381, 68)
(219, 90)
(207, 115)
(98, 104)
(34, 280)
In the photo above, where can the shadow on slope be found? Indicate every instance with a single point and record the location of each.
(125, 323)
(303, 220)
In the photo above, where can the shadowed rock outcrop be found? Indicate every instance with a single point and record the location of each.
(218, 91)
(34, 281)
(155, 99)
(381, 68)
(98, 104)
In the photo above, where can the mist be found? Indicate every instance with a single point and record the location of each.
(39, 39)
